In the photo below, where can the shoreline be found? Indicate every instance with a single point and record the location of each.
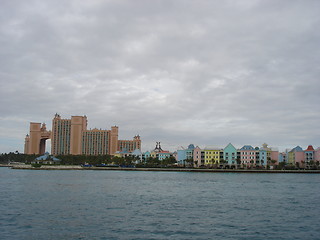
(75, 167)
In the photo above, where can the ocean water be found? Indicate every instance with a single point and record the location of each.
(158, 205)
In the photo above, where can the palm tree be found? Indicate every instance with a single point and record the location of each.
(189, 162)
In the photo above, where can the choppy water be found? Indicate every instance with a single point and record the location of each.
(158, 205)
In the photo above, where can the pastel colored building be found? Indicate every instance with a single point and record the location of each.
(212, 155)
(123, 153)
(137, 154)
(189, 151)
(283, 157)
(198, 157)
(263, 159)
(181, 156)
(247, 155)
(153, 154)
(317, 155)
(309, 154)
(230, 154)
(267, 155)
(274, 155)
(163, 155)
(47, 159)
(157, 153)
(146, 155)
(296, 155)
(185, 154)
(264, 155)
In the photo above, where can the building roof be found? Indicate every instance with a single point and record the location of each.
(191, 147)
(164, 151)
(230, 145)
(310, 148)
(124, 150)
(296, 149)
(247, 147)
(136, 152)
(47, 156)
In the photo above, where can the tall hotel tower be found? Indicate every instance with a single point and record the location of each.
(70, 136)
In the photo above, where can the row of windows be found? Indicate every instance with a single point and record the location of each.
(217, 157)
(209, 152)
(231, 154)
(245, 157)
(248, 153)
(257, 162)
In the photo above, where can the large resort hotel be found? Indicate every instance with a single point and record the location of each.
(71, 136)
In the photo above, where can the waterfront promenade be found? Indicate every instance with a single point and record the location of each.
(77, 167)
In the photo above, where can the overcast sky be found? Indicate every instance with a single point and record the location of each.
(179, 72)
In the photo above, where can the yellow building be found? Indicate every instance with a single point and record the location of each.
(212, 155)
(291, 157)
(153, 154)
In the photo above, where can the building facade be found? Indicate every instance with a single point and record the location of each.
(296, 155)
(198, 157)
(35, 141)
(71, 136)
(248, 155)
(230, 154)
(309, 154)
(213, 155)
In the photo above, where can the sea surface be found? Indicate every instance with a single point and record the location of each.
(71, 204)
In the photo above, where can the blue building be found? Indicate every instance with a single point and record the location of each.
(137, 154)
(163, 155)
(184, 154)
(230, 154)
(47, 159)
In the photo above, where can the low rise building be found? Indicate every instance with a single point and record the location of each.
(47, 159)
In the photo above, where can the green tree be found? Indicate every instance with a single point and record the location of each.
(281, 165)
(169, 161)
(152, 162)
(189, 162)
(238, 160)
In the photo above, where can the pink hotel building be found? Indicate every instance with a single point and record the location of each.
(71, 136)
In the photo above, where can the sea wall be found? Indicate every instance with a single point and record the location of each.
(75, 167)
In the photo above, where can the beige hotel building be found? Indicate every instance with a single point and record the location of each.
(71, 136)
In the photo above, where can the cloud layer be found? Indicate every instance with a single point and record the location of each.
(179, 72)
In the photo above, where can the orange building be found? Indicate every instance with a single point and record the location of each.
(71, 136)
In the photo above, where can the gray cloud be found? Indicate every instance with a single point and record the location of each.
(206, 72)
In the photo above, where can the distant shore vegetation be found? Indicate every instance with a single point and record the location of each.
(95, 160)
(132, 161)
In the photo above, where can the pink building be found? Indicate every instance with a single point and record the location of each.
(274, 155)
(248, 155)
(299, 158)
(317, 155)
(197, 157)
